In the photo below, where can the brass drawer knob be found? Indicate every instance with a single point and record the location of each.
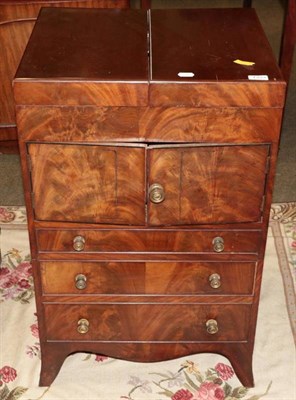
(156, 193)
(212, 326)
(218, 244)
(78, 243)
(80, 281)
(215, 281)
(82, 326)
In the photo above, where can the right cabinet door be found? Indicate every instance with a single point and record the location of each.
(206, 184)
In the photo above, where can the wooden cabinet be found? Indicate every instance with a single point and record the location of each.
(148, 168)
(17, 19)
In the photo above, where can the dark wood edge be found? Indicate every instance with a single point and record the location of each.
(9, 147)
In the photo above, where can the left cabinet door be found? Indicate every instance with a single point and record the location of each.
(88, 183)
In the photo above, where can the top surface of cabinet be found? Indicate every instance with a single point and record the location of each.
(206, 42)
(114, 45)
(100, 44)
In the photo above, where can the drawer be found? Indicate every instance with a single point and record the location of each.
(152, 278)
(147, 322)
(162, 241)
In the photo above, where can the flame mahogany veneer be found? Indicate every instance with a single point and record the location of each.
(17, 19)
(148, 193)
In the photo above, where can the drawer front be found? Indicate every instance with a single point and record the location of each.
(152, 278)
(151, 124)
(158, 241)
(147, 322)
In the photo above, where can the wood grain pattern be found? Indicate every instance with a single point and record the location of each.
(146, 124)
(75, 225)
(224, 35)
(71, 93)
(212, 145)
(239, 354)
(209, 94)
(9, 147)
(130, 256)
(88, 183)
(147, 322)
(218, 94)
(8, 133)
(13, 39)
(187, 299)
(210, 125)
(17, 19)
(185, 171)
(79, 124)
(12, 10)
(208, 184)
(147, 278)
(149, 241)
(87, 44)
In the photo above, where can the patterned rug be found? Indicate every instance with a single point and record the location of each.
(198, 377)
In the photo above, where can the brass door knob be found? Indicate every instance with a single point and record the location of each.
(215, 281)
(212, 326)
(80, 281)
(218, 244)
(156, 193)
(82, 326)
(78, 243)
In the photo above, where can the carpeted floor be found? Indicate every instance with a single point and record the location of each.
(197, 377)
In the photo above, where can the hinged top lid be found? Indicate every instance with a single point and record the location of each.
(212, 58)
(210, 45)
(193, 57)
(92, 44)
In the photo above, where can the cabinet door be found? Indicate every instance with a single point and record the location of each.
(207, 184)
(88, 183)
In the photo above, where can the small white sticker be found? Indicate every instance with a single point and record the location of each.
(186, 74)
(258, 77)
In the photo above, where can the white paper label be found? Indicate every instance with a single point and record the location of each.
(258, 77)
(186, 74)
